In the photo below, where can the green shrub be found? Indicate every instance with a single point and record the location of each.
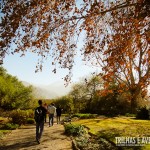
(143, 113)
(30, 121)
(130, 115)
(19, 116)
(74, 130)
(10, 126)
(85, 116)
(30, 113)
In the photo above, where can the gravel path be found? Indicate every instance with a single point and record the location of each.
(24, 139)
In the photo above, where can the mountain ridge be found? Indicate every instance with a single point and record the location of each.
(53, 90)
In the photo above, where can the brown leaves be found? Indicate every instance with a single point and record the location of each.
(112, 37)
(54, 71)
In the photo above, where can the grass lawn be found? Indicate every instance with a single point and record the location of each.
(109, 128)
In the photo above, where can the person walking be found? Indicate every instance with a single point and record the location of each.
(58, 114)
(45, 106)
(52, 112)
(39, 116)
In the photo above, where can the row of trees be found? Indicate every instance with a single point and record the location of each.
(89, 96)
(116, 37)
(13, 94)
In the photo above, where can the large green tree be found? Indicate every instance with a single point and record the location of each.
(79, 95)
(65, 103)
(13, 94)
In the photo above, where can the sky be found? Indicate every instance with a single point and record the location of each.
(24, 69)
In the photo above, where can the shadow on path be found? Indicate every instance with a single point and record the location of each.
(18, 146)
(53, 138)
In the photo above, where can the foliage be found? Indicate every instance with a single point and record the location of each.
(6, 126)
(111, 105)
(85, 116)
(90, 97)
(109, 128)
(60, 22)
(143, 113)
(116, 37)
(66, 103)
(130, 115)
(10, 126)
(74, 130)
(83, 93)
(30, 121)
(30, 113)
(19, 116)
(78, 94)
(13, 94)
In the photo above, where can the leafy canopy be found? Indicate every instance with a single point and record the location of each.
(116, 35)
(13, 94)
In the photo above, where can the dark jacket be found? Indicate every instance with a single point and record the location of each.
(39, 114)
(58, 111)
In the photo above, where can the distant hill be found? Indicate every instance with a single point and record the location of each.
(26, 83)
(53, 90)
(40, 92)
(58, 87)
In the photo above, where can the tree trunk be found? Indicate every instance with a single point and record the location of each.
(134, 99)
(133, 105)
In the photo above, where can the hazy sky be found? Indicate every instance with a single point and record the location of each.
(24, 69)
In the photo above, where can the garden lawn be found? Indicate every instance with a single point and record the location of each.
(109, 128)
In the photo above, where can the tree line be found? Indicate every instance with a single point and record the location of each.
(115, 34)
(13, 94)
(89, 96)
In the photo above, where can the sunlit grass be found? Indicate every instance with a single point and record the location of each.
(109, 128)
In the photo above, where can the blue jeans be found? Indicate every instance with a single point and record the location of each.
(39, 129)
(51, 119)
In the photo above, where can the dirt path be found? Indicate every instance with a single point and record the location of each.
(24, 139)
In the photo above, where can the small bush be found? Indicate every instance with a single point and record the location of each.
(30, 113)
(130, 115)
(74, 130)
(85, 116)
(30, 121)
(19, 116)
(10, 126)
(143, 113)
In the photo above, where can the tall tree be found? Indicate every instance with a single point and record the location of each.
(13, 94)
(123, 53)
(83, 93)
(112, 30)
(79, 95)
(93, 85)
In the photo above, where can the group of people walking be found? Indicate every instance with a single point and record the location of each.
(40, 117)
(52, 112)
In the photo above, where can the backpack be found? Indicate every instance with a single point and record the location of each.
(38, 114)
